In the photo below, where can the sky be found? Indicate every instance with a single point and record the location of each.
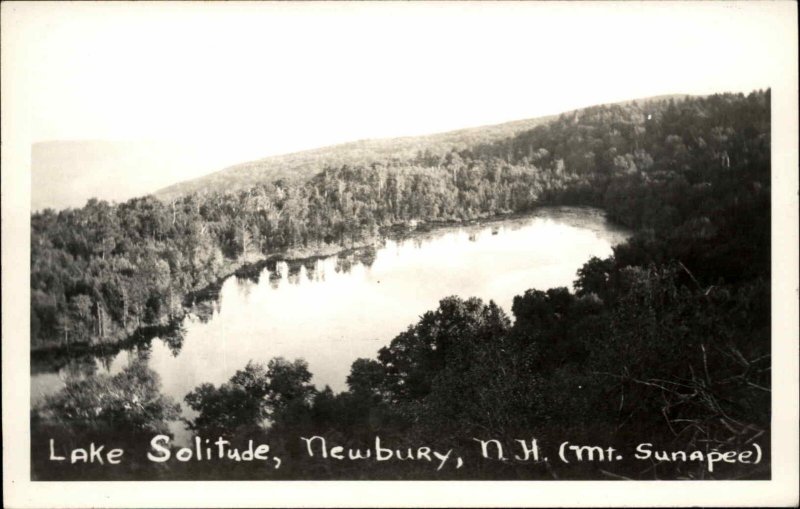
(239, 81)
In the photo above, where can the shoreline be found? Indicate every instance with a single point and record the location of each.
(44, 355)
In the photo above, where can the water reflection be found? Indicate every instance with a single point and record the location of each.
(174, 340)
(84, 367)
(334, 310)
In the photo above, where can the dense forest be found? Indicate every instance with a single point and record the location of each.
(667, 340)
(300, 166)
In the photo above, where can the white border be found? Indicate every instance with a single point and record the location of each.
(782, 490)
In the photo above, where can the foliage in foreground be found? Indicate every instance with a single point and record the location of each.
(667, 341)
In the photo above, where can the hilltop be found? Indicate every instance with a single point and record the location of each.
(305, 164)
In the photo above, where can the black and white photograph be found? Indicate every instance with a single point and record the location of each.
(503, 248)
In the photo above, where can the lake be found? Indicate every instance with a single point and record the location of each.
(334, 310)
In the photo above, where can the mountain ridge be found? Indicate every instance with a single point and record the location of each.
(306, 163)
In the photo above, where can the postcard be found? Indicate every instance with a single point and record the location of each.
(399, 254)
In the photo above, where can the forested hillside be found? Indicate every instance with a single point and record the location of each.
(103, 270)
(302, 165)
(667, 341)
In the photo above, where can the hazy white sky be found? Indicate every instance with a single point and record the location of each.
(261, 78)
(224, 82)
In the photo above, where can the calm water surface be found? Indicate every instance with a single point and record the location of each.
(335, 310)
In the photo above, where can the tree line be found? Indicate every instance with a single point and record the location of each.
(100, 272)
(666, 340)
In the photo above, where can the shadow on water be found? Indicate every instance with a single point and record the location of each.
(204, 303)
(83, 357)
(91, 359)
